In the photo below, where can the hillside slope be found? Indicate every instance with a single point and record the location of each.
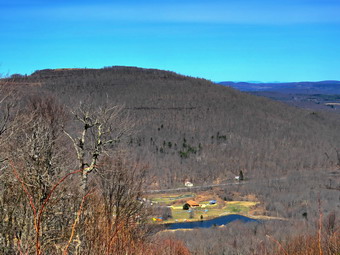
(193, 129)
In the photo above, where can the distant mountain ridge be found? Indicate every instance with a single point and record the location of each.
(328, 87)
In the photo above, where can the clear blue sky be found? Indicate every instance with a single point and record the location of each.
(238, 40)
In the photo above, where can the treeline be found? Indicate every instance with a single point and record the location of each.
(192, 129)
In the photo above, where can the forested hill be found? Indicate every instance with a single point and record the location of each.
(193, 129)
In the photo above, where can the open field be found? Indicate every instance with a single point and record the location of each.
(204, 211)
(168, 199)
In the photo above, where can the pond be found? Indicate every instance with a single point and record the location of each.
(222, 220)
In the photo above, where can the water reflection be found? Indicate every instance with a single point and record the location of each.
(223, 220)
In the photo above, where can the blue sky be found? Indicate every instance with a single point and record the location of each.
(238, 40)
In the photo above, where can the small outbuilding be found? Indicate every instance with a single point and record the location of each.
(188, 184)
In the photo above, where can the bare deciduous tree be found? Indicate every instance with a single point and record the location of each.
(100, 130)
(36, 150)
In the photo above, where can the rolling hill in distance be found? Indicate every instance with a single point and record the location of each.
(322, 95)
(321, 87)
(193, 129)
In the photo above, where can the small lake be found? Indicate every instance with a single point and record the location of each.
(223, 220)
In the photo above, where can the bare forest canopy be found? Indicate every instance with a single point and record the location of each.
(192, 129)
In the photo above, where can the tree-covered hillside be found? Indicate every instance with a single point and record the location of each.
(192, 129)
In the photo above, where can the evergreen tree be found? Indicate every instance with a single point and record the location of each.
(241, 176)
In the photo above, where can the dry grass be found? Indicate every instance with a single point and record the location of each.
(205, 210)
(209, 211)
(169, 199)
